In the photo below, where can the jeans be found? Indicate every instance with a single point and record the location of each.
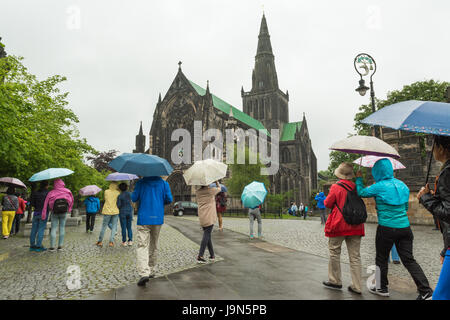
(403, 239)
(252, 217)
(442, 290)
(394, 254)
(109, 221)
(37, 229)
(90, 221)
(323, 216)
(125, 224)
(206, 242)
(147, 249)
(58, 222)
(16, 223)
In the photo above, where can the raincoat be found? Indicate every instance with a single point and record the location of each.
(320, 198)
(110, 207)
(59, 192)
(391, 195)
(92, 204)
(152, 193)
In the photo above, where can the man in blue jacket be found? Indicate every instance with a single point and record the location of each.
(92, 208)
(152, 193)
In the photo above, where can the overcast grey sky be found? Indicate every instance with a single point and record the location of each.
(119, 55)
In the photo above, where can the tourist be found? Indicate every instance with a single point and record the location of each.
(152, 193)
(391, 197)
(60, 202)
(294, 209)
(290, 208)
(38, 225)
(125, 214)
(255, 213)
(338, 231)
(221, 206)
(320, 198)
(92, 204)
(10, 204)
(19, 215)
(301, 210)
(438, 203)
(110, 214)
(306, 211)
(207, 216)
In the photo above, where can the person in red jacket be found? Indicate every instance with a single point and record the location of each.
(19, 215)
(338, 231)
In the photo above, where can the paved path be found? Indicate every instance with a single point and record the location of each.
(35, 276)
(308, 236)
(251, 269)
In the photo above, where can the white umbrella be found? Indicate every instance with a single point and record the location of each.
(366, 145)
(205, 172)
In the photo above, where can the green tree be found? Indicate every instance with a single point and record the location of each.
(100, 160)
(38, 129)
(243, 174)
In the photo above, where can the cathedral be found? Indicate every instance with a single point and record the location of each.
(265, 107)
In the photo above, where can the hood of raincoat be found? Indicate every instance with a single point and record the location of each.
(393, 191)
(114, 186)
(59, 191)
(321, 194)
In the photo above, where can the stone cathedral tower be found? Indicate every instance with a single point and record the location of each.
(265, 101)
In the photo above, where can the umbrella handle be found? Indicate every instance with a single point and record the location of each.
(429, 162)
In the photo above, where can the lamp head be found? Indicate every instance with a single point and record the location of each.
(362, 89)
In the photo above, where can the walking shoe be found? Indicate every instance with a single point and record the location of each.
(41, 249)
(124, 244)
(130, 243)
(33, 248)
(60, 248)
(201, 260)
(396, 262)
(427, 296)
(142, 281)
(332, 285)
(252, 236)
(111, 244)
(5, 237)
(350, 288)
(51, 249)
(212, 259)
(99, 244)
(380, 292)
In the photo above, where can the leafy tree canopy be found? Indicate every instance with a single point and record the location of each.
(38, 129)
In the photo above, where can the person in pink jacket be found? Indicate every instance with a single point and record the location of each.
(59, 201)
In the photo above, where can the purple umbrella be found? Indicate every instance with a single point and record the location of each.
(90, 190)
(13, 182)
(118, 176)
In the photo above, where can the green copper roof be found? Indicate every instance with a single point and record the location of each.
(289, 130)
(225, 107)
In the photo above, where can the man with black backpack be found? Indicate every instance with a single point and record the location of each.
(345, 223)
(59, 201)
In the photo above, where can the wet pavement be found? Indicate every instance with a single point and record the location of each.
(250, 269)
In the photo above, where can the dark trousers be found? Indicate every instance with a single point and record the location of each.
(403, 239)
(90, 221)
(206, 241)
(16, 223)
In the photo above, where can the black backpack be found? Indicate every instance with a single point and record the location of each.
(60, 206)
(354, 210)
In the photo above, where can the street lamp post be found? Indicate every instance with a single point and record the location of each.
(367, 63)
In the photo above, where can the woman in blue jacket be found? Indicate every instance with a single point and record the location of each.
(125, 214)
(92, 208)
(391, 197)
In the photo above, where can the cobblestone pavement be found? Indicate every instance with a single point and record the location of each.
(33, 275)
(308, 236)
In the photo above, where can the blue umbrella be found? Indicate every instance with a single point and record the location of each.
(141, 164)
(222, 187)
(253, 194)
(417, 116)
(119, 176)
(413, 115)
(50, 173)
